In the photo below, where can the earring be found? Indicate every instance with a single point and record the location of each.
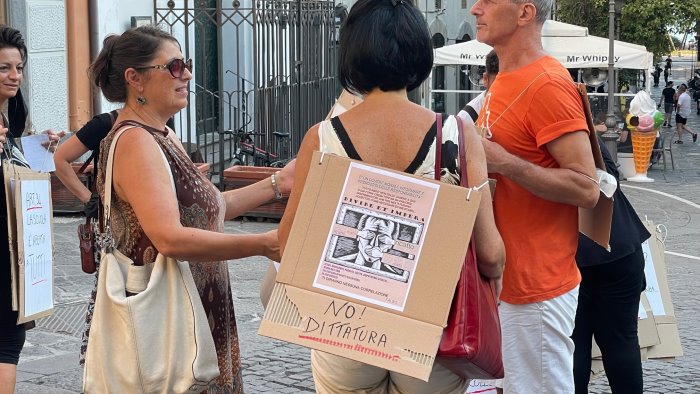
(141, 100)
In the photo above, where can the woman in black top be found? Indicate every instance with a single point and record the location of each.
(13, 57)
(88, 138)
(608, 301)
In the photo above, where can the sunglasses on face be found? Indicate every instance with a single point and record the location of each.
(176, 67)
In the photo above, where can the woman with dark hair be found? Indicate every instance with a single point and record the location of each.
(385, 51)
(13, 58)
(144, 69)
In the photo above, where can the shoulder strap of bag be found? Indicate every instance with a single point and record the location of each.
(463, 181)
(107, 203)
(438, 147)
(87, 163)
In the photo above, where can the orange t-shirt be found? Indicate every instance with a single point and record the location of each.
(524, 110)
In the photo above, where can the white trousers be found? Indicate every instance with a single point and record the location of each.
(538, 353)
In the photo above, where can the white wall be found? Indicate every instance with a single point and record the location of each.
(45, 86)
(112, 17)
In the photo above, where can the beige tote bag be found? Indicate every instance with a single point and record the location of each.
(156, 341)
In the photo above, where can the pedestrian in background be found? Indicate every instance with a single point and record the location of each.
(144, 69)
(86, 139)
(667, 99)
(541, 156)
(608, 300)
(682, 114)
(470, 112)
(385, 51)
(13, 59)
(657, 75)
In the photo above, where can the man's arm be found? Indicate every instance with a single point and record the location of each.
(566, 184)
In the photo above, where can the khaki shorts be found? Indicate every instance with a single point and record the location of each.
(339, 375)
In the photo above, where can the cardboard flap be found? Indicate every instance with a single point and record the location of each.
(344, 102)
(595, 223)
(351, 330)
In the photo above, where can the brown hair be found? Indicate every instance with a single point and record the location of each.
(134, 48)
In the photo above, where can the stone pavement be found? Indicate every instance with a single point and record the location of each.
(49, 362)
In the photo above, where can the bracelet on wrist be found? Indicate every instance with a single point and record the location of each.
(275, 186)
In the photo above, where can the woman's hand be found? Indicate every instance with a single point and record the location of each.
(271, 245)
(3, 138)
(285, 178)
(54, 139)
(498, 282)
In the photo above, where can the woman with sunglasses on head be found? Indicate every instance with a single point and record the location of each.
(13, 59)
(144, 69)
(385, 51)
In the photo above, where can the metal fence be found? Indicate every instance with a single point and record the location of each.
(260, 67)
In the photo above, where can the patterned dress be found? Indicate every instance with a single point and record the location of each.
(201, 206)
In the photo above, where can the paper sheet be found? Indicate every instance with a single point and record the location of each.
(39, 158)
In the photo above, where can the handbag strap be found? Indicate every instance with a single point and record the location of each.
(463, 181)
(438, 147)
(107, 239)
(462, 151)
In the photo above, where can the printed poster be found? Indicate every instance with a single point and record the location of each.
(374, 245)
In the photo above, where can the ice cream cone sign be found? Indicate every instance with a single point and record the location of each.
(643, 122)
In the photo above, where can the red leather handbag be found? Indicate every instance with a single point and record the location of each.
(471, 343)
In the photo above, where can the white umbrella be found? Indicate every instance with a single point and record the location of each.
(569, 44)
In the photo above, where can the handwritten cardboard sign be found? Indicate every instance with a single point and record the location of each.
(34, 220)
(10, 173)
(371, 265)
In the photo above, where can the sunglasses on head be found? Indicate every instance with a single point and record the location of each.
(176, 67)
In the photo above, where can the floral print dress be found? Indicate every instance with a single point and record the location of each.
(201, 206)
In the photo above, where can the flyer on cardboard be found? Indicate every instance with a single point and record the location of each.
(374, 244)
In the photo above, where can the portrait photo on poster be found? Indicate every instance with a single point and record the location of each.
(376, 235)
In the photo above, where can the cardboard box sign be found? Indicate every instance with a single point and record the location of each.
(659, 296)
(371, 265)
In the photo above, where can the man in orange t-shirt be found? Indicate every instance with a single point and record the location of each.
(540, 153)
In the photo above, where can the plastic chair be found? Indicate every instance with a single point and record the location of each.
(662, 149)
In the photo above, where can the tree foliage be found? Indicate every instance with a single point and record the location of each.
(643, 22)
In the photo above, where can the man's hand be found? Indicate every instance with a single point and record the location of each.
(496, 156)
(54, 139)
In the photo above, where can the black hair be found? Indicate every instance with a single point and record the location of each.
(17, 111)
(134, 48)
(492, 63)
(385, 44)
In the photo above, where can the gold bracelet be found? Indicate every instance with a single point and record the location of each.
(275, 187)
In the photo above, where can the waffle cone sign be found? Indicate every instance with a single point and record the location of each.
(642, 146)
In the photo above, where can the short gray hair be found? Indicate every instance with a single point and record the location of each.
(543, 7)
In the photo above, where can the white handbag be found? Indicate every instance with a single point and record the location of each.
(156, 341)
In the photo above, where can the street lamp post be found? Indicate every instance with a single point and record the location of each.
(610, 136)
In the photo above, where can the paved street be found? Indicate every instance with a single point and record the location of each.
(49, 361)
